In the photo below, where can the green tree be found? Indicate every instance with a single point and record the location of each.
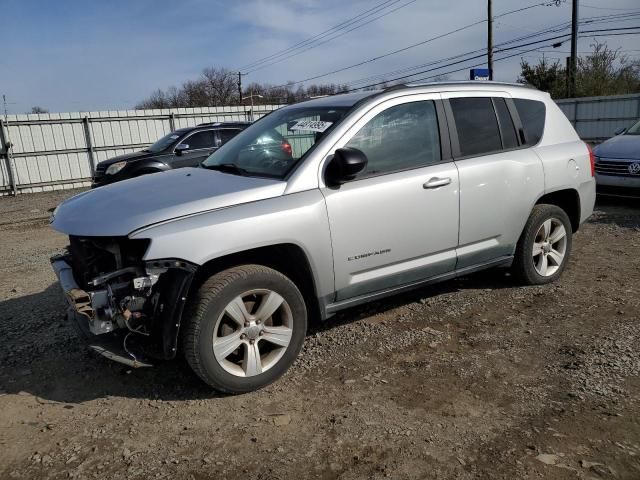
(603, 71)
(545, 76)
(606, 72)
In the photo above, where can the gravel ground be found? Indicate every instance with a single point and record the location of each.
(474, 378)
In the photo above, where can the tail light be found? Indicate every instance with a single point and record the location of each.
(592, 160)
(286, 148)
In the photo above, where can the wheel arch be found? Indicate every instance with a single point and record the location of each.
(148, 166)
(568, 200)
(287, 258)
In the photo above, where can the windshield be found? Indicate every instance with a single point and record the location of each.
(164, 142)
(634, 129)
(273, 145)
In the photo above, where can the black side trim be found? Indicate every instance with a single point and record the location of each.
(515, 117)
(443, 127)
(453, 129)
(352, 302)
(500, 126)
(172, 288)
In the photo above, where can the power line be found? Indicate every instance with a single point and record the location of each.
(340, 26)
(384, 77)
(339, 34)
(414, 45)
(467, 59)
(285, 57)
(550, 30)
(496, 51)
(613, 34)
(466, 67)
(437, 37)
(606, 8)
(554, 29)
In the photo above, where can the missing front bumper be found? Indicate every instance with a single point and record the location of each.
(92, 331)
(117, 341)
(112, 346)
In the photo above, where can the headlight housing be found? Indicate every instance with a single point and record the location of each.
(115, 168)
(53, 214)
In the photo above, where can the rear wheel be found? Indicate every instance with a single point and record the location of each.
(245, 328)
(544, 246)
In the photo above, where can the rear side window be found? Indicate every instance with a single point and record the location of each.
(226, 135)
(204, 139)
(509, 137)
(401, 137)
(532, 116)
(477, 125)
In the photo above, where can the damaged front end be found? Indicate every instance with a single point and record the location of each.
(127, 309)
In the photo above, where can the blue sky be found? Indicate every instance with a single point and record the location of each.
(70, 55)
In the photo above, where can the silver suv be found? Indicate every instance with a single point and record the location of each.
(318, 207)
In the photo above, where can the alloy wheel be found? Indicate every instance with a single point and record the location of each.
(252, 333)
(549, 247)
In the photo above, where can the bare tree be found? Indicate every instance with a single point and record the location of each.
(39, 110)
(217, 87)
(220, 85)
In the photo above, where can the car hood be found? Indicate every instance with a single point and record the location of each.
(622, 146)
(120, 208)
(129, 157)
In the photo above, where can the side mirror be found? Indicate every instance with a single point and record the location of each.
(181, 148)
(344, 165)
(620, 131)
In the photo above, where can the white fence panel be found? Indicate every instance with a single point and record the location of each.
(59, 150)
(597, 118)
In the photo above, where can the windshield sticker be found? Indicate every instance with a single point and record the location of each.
(311, 125)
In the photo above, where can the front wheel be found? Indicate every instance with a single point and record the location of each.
(544, 246)
(245, 328)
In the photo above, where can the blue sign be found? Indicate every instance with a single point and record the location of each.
(479, 74)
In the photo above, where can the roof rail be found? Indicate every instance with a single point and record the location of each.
(223, 124)
(397, 86)
(469, 82)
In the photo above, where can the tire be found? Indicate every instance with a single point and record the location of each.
(221, 351)
(543, 268)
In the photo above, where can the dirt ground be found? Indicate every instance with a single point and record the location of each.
(472, 379)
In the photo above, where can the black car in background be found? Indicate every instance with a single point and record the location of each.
(185, 147)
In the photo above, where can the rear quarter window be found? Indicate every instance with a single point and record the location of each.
(532, 115)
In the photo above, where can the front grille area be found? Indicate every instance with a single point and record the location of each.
(93, 256)
(616, 168)
(628, 192)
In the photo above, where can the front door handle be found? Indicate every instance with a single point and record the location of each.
(436, 182)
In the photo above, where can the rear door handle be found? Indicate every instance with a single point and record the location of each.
(436, 182)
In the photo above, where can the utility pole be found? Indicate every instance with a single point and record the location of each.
(573, 62)
(240, 86)
(5, 144)
(490, 39)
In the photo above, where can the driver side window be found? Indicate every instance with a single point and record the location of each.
(402, 137)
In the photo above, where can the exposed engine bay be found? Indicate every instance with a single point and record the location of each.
(117, 298)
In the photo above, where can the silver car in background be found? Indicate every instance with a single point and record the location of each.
(318, 207)
(618, 163)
